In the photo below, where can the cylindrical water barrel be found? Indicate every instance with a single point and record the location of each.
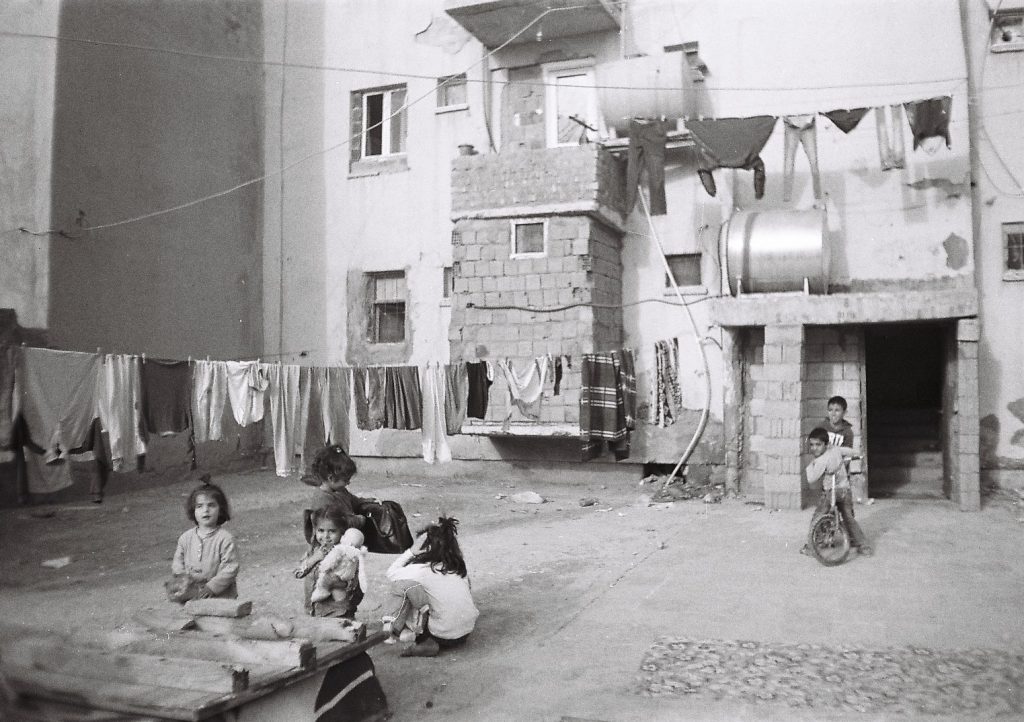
(650, 86)
(775, 250)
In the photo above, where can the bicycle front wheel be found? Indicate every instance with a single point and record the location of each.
(829, 541)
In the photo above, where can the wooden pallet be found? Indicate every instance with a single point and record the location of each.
(170, 673)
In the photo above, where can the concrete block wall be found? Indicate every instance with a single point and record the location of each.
(749, 460)
(966, 486)
(535, 177)
(777, 418)
(581, 265)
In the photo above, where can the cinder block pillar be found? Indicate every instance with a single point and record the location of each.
(733, 416)
(967, 481)
(782, 390)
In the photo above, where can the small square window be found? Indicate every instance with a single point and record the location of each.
(451, 91)
(448, 282)
(1013, 251)
(528, 238)
(685, 269)
(387, 307)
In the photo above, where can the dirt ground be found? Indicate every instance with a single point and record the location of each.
(572, 597)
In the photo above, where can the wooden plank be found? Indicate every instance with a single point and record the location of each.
(93, 694)
(315, 629)
(333, 653)
(298, 653)
(218, 607)
(160, 671)
(164, 620)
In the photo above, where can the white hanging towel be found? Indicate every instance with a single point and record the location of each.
(247, 385)
(525, 391)
(289, 414)
(119, 405)
(209, 394)
(435, 433)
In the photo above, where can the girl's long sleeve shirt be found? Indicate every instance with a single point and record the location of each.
(452, 611)
(211, 559)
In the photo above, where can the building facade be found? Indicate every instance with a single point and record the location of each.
(448, 180)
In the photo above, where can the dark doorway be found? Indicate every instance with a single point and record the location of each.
(905, 367)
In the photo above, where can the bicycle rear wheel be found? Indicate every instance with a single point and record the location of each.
(829, 541)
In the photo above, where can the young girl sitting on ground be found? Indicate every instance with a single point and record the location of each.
(205, 564)
(429, 583)
(333, 469)
(332, 567)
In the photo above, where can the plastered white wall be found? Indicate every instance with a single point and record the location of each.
(27, 67)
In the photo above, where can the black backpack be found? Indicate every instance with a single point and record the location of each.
(386, 531)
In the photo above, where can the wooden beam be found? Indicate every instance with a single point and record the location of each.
(315, 629)
(218, 607)
(299, 653)
(93, 694)
(159, 671)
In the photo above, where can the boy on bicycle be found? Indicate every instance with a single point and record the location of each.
(829, 467)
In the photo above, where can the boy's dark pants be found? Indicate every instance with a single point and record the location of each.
(844, 501)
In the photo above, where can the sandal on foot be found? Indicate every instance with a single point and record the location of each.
(426, 648)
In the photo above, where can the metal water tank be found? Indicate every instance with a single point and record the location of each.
(776, 250)
(649, 86)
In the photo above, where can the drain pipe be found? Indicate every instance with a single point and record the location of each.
(697, 339)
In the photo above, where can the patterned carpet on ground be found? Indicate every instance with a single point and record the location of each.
(900, 680)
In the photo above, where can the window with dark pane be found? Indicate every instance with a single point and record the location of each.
(685, 269)
(381, 124)
(529, 238)
(387, 315)
(1013, 237)
(448, 282)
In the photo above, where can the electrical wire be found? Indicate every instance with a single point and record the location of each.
(425, 76)
(309, 156)
(981, 119)
(698, 340)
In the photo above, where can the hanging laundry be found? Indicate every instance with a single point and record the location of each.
(731, 143)
(602, 407)
(119, 398)
(929, 123)
(627, 381)
(288, 388)
(526, 390)
(403, 402)
(247, 385)
(891, 154)
(166, 395)
(800, 130)
(209, 394)
(57, 401)
(647, 152)
(456, 396)
(331, 390)
(846, 120)
(480, 377)
(8, 408)
(368, 393)
(435, 439)
(558, 375)
(668, 398)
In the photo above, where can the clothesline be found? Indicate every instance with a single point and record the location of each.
(56, 402)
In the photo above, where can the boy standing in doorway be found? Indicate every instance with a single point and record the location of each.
(840, 431)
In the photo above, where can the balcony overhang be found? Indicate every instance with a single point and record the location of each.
(769, 309)
(494, 22)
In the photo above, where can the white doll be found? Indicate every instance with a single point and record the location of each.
(343, 563)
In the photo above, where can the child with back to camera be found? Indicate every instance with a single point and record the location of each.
(205, 564)
(430, 583)
(332, 567)
(333, 470)
(827, 468)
